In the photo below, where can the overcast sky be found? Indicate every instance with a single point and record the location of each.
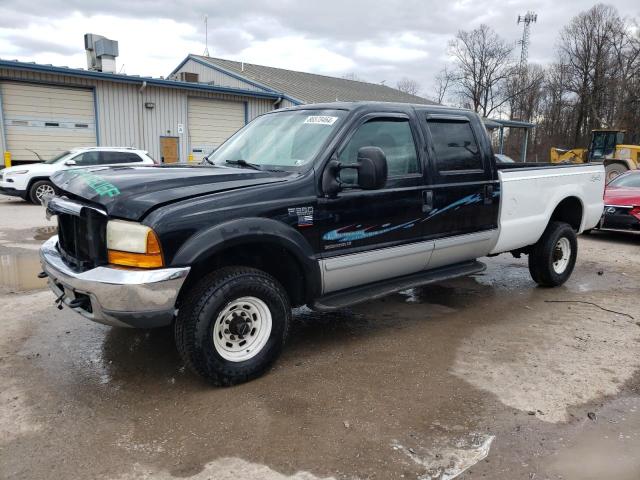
(376, 40)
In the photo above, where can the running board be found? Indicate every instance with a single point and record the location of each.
(372, 291)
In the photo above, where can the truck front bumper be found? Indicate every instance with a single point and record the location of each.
(113, 296)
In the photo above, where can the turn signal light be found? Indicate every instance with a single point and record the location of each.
(152, 258)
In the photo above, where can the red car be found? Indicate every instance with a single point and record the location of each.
(622, 203)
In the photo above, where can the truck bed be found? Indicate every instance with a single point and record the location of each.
(532, 191)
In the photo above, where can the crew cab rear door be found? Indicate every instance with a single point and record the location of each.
(462, 189)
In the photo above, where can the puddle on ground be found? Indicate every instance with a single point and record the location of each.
(606, 447)
(45, 233)
(19, 273)
(449, 458)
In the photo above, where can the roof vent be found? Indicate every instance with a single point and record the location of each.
(188, 77)
(101, 53)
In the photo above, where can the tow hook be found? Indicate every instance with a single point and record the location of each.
(58, 301)
(42, 275)
(77, 303)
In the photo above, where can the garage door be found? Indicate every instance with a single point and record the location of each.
(211, 122)
(45, 119)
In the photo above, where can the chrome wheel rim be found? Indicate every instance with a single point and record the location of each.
(561, 255)
(242, 329)
(44, 191)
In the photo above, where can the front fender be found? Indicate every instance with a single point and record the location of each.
(247, 231)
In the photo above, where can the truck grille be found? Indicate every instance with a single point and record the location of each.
(81, 234)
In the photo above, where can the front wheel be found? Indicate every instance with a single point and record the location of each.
(552, 259)
(232, 325)
(41, 189)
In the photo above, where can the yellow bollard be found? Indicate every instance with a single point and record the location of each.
(7, 159)
(190, 159)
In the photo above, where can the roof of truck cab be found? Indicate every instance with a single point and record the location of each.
(377, 106)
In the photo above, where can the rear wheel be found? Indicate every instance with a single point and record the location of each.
(232, 325)
(41, 189)
(552, 259)
(613, 170)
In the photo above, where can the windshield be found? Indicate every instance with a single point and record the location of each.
(57, 157)
(286, 139)
(629, 180)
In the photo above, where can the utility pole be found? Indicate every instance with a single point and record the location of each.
(526, 19)
(206, 36)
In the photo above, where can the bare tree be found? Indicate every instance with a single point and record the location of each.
(594, 81)
(483, 64)
(588, 46)
(408, 85)
(443, 82)
(352, 76)
(524, 92)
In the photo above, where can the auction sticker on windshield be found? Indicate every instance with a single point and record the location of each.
(321, 120)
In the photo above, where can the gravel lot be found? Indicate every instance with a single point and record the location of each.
(481, 377)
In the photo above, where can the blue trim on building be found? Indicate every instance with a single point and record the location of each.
(114, 77)
(175, 70)
(95, 113)
(3, 133)
(237, 77)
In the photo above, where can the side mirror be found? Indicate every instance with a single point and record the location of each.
(371, 167)
(70, 163)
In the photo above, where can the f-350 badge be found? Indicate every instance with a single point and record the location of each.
(304, 214)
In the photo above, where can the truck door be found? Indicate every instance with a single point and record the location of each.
(371, 235)
(463, 188)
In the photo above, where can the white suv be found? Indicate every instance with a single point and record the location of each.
(31, 181)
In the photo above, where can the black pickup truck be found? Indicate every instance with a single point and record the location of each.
(323, 205)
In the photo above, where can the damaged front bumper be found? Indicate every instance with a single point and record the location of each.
(113, 296)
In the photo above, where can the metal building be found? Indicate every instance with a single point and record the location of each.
(45, 110)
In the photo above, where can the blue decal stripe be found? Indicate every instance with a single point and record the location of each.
(337, 235)
(468, 200)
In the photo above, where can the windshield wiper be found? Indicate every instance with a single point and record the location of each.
(243, 163)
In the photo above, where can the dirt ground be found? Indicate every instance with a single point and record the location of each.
(481, 377)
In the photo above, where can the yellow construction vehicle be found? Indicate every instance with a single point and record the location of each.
(606, 147)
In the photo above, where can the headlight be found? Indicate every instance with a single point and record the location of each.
(17, 172)
(132, 244)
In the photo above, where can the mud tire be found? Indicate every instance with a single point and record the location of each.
(201, 307)
(544, 253)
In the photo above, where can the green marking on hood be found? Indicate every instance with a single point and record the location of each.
(98, 184)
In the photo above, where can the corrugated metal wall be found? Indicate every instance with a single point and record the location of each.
(123, 119)
(208, 74)
(286, 103)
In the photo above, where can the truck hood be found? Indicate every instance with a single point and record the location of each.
(622, 196)
(130, 192)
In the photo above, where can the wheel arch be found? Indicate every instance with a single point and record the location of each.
(265, 244)
(569, 210)
(36, 179)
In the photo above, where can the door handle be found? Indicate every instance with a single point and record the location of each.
(427, 201)
(488, 194)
